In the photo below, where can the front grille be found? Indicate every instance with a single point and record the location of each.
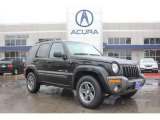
(130, 71)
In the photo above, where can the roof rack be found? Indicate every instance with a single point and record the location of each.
(46, 40)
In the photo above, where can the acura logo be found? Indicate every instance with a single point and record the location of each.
(84, 18)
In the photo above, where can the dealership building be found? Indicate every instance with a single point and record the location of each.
(131, 41)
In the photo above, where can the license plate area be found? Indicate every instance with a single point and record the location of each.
(3, 66)
(138, 85)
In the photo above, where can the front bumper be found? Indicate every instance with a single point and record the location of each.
(6, 70)
(126, 85)
(148, 68)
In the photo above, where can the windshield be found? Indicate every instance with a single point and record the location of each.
(76, 48)
(147, 60)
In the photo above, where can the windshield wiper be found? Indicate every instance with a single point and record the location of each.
(80, 54)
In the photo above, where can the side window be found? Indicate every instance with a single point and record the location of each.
(56, 47)
(32, 53)
(43, 51)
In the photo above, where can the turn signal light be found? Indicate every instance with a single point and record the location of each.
(115, 80)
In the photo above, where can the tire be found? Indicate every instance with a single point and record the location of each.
(88, 86)
(129, 95)
(1, 73)
(156, 71)
(32, 84)
(15, 71)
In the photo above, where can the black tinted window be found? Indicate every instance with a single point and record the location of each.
(146, 40)
(32, 53)
(128, 40)
(43, 50)
(56, 47)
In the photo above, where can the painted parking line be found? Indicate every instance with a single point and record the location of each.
(152, 74)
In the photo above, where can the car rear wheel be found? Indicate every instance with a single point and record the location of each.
(1, 73)
(89, 92)
(129, 95)
(32, 84)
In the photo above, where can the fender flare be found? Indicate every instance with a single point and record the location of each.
(98, 70)
(32, 67)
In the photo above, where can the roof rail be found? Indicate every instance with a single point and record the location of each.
(44, 41)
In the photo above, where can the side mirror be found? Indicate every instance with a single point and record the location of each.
(59, 54)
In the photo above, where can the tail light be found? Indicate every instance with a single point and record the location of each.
(10, 66)
(25, 65)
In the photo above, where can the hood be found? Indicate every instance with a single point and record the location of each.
(5, 62)
(147, 63)
(105, 59)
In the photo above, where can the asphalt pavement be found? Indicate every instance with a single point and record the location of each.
(14, 98)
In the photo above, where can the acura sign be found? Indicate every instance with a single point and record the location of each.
(84, 25)
(84, 18)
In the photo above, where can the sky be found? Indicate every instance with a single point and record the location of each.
(55, 11)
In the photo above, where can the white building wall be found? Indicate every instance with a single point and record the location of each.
(136, 31)
(2, 55)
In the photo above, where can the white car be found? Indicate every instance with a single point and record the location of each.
(148, 65)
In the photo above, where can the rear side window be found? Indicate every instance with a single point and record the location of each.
(32, 53)
(43, 51)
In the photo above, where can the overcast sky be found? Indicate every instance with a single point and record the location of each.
(55, 11)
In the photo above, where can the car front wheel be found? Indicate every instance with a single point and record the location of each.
(32, 84)
(89, 92)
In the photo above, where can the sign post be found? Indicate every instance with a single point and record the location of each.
(85, 25)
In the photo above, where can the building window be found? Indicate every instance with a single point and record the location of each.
(122, 41)
(110, 40)
(157, 40)
(7, 43)
(155, 54)
(15, 54)
(119, 41)
(123, 54)
(151, 41)
(128, 40)
(146, 40)
(17, 42)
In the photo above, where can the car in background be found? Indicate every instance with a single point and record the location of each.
(148, 65)
(14, 66)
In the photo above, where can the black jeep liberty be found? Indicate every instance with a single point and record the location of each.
(81, 67)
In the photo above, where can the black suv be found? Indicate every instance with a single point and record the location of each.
(81, 67)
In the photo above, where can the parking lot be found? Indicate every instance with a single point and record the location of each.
(14, 98)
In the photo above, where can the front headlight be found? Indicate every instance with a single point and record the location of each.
(155, 65)
(115, 67)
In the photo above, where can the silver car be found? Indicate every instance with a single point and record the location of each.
(148, 65)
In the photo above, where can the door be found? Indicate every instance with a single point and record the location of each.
(40, 61)
(57, 66)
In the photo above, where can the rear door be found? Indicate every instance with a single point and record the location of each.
(40, 61)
